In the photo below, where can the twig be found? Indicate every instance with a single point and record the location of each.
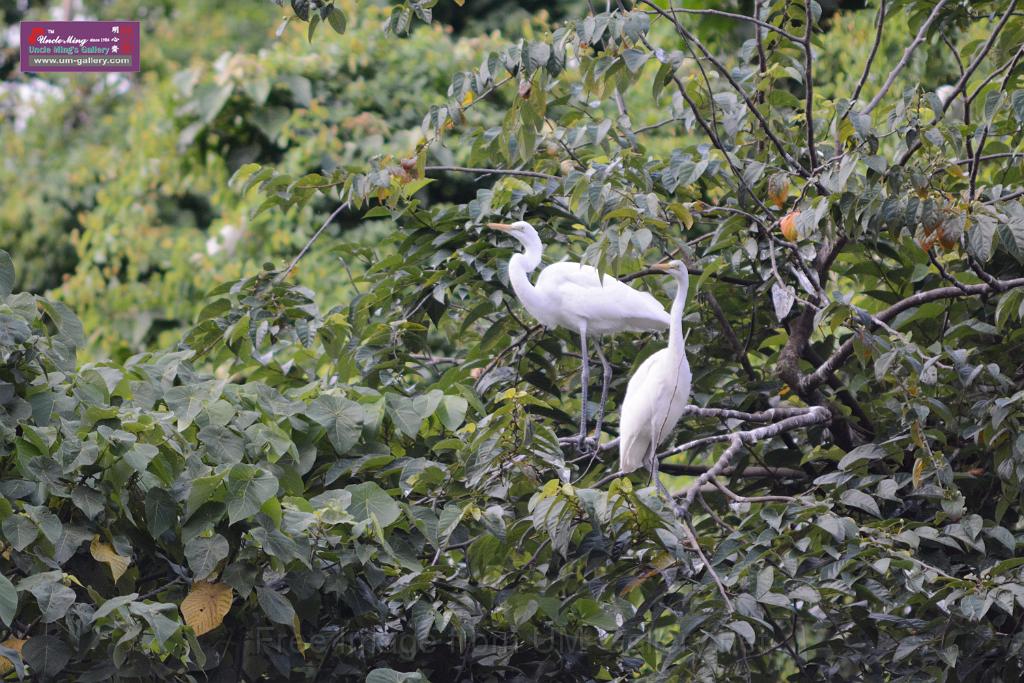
(730, 335)
(492, 171)
(692, 537)
(302, 252)
(945, 275)
(879, 25)
(736, 498)
(730, 15)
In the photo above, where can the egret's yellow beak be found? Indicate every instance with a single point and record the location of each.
(663, 267)
(504, 227)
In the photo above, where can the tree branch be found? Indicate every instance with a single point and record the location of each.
(840, 355)
(812, 152)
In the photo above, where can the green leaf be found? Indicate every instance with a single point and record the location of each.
(202, 491)
(140, 455)
(301, 8)
(370, 499)
(861, 500)
(161, 512)
(54, 599)
(19, 531)
(248, 488)
(536, 57)
(868, 451)
(6, 274)
(223, 444)
(8, 600)
(204, 554)
(745, 630)
(46, 655)
(341, 418)
(277, 607)
(187, 400)
(452, 411)
(635, 59)
(980, 236)
(336, 18)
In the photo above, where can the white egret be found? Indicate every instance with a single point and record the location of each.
(658, 391)
(575, 296)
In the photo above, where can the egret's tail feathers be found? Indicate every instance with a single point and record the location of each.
(632, 455)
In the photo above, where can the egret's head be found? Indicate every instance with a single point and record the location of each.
(520, 229)
(676, 268)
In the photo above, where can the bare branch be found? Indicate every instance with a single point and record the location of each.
(811, 416)
(752, 472)
(879, 25)
(1006, 197)
(902, 64)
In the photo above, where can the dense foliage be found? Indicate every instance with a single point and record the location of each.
(350, 466)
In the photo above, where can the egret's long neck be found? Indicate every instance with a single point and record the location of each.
(519, 268)
(676, 342)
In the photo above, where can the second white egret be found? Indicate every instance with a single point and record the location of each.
(659, 390)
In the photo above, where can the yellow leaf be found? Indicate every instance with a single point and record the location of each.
(6, 666)
(460, 3)
(918, 471)
(104, 552)
(299, 642)
(468, 99)
(206, 605)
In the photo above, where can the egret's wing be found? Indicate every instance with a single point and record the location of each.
(569, 272)
(612, 307)
(635, 415)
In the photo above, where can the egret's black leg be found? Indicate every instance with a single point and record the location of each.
(586, 383)
(606, 378)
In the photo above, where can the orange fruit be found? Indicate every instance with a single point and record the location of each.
(788, 226)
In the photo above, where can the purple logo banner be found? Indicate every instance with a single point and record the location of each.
(80, 46)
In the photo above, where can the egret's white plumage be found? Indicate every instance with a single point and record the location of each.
(575, 296)
(956, 109)
(658, 391)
